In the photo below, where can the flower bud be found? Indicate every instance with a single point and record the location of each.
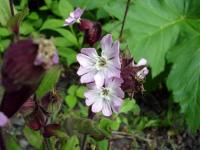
(85, 24)
(37, 119)
(93, 34)
(51, 102)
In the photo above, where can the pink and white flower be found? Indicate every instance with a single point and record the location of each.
(141, 74)
(107, 99)
(3, 119)
(74, 16)
(98, 68)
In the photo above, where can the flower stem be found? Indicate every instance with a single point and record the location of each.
(11, 7)
(46, 143)
(124, 19)
(90, 116)
(2, 143)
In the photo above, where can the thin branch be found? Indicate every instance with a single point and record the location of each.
(124, 19)
(11, 7)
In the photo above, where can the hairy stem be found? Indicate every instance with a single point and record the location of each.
(124, 19)
(11, 7)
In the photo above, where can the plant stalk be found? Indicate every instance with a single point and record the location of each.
(90, 116)
(11, 7)
(124, 19)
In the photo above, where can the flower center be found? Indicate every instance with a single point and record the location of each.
(101, 62)
(105, 93)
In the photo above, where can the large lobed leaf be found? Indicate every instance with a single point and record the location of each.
(184, 80)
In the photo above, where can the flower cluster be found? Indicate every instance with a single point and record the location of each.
(104, 73)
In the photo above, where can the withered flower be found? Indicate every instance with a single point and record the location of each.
(24, 65)
(93, 34)
(92, 31)
(133, 75)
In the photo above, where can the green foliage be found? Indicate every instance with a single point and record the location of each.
(73, 93)
(49, 81)
(11, 143)
(33, 137)
(5, 10)
(130, 105)
(72, 144)
(184, 80)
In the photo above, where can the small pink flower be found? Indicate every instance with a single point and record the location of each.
(98, 68)
(107, 99)
(3, 119)
(74, 16)
(141, 74)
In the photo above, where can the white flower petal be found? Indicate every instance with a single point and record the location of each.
(115, 61)
(91, 52)
(84, 60)
(83, 70)
(91, 94)
(112, 72)
(106, 43)
(88, 77)
(99, 78)
(98, 105)
(119, 92)
(89, 101)
(116, 103)
(106, 109)
(142, 62)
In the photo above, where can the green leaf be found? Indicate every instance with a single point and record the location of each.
(71, 101)
(154, 30)
(4, 44)
(72, 144)
(68, 54)
(184, 80)
(52, 24)
(26, 28)
(69, 37)
(33, 137)
(49, 81)
(129, 105)
(23, 4)
(5, 12)
(48, 3)
(116, 8)
(65, 8)
(72, 90)
(80, 91)
(4, 32)
(88, 3)
(11, 143)
(103, 145)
